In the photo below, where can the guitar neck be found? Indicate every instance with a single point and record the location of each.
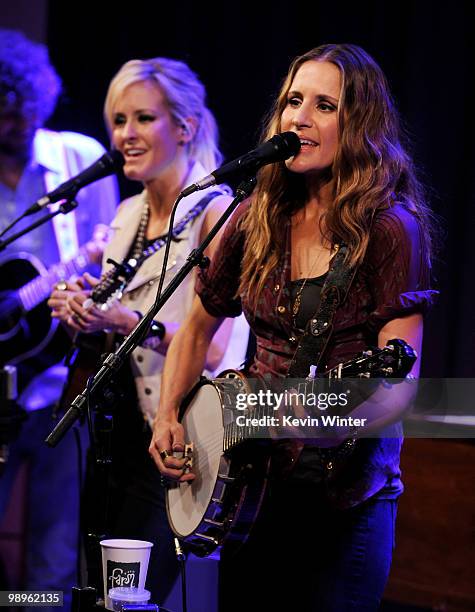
(38, 289)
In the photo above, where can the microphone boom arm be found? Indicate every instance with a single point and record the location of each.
(64, 208)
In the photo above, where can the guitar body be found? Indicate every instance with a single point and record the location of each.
(22, 334)
(84, 361)
(26, 326)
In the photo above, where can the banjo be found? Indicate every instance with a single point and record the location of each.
(222, 503)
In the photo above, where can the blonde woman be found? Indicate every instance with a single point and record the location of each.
(156, 112)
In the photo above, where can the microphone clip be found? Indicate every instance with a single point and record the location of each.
(66, 206)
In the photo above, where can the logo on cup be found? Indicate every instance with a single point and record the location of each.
(122, 574)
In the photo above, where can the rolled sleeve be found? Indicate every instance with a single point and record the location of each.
(217, 286)
(399, 268)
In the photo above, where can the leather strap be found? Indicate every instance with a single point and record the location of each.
(319, 329)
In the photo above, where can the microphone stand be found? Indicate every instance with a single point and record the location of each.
(11, 415)
(64, 208)
(114, 361)
(101, 388)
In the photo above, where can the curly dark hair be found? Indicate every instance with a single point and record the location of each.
(28, 81)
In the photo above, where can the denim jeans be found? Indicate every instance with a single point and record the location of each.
(306, 555)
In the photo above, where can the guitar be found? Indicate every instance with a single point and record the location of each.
(221, 504)
(26, 326)
(85, 357)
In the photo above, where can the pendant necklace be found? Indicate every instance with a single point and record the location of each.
(298, 298)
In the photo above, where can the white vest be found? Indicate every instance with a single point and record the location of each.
(147, 365)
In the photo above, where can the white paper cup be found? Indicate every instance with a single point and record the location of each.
(124, 564)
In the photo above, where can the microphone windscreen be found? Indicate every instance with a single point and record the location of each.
(292, 142)
(117, 159)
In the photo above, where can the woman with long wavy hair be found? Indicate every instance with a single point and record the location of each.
(350, 195)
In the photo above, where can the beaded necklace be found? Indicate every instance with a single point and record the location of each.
(138, 250)
(113, 283)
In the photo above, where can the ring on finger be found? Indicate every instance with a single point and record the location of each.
(61, 285)
(164, 454)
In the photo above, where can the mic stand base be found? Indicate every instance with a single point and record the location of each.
(83, 599)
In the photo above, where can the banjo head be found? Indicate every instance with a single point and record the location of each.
(203, 424)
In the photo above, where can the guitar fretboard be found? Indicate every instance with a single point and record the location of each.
(38, 289)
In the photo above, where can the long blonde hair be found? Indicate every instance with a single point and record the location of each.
(185, 96)
(371, 170)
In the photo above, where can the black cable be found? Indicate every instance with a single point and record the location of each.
(180, 555)
(92, 441)
(183, 585)
(12, 224)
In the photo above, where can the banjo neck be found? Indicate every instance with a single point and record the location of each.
(394, 360)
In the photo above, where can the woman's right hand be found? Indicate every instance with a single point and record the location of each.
(58, 300)
(168, 440)
(186, 357)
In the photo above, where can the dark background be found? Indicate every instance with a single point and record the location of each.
(241, 52)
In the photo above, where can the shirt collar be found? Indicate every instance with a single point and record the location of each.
(46, 151)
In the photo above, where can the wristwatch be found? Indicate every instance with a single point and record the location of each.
(155, 335)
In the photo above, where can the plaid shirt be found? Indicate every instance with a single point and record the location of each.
(392, 282)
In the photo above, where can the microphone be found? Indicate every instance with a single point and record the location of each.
(278, 148)
(110, 162)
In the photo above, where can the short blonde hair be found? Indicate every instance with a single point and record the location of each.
(185, 95)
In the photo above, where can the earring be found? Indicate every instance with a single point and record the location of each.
(184, 131)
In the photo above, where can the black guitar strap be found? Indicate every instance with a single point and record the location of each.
(319, 329)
